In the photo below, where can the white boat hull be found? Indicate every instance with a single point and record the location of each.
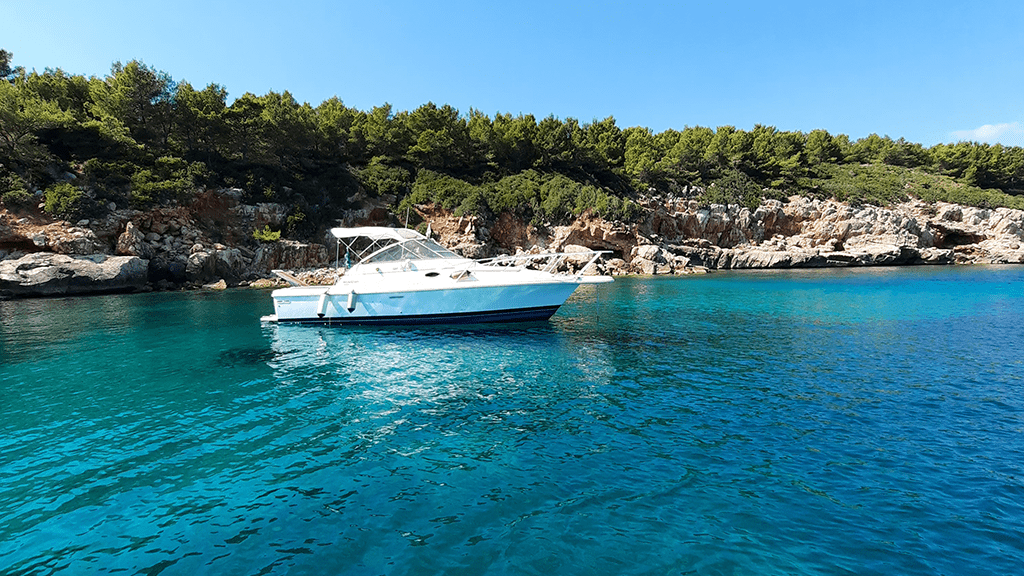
(410, 279)
(470, 304)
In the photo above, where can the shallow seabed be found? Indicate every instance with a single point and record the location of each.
(820, 422)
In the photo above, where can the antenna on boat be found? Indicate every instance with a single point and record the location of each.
(407, 216)
(428, 230)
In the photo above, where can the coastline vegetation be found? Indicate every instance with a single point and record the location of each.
(137, 137)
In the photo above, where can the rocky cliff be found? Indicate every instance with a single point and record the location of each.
(203, 242)
(678, 237)
(210, 240)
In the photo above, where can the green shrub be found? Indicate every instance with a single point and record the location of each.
(108, 174)
(449, 192)
(558, 197)
(381, 178)
(169, 178)
(885, 185)
(295, 220)
(266, 235)
(19, 198)
(530, 194)
(12, 191)
(517, 193)
(63, 200)
(734, 187)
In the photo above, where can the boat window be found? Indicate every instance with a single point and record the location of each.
(413, 250)
(390, 255)
(441, 251)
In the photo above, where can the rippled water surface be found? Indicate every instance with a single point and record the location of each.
(823, 422)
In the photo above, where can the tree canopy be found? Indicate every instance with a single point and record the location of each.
(137, 136)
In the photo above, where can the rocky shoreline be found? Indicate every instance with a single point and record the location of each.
(209, 242)
(205, 243)
(680, 237)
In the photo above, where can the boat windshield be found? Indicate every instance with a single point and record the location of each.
(413, 250)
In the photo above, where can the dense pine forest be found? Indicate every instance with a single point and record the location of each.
(136, 137)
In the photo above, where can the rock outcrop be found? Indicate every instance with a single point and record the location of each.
(290, 255)
(196, 244)
(133, 243)
(49, 274)
(681, 237)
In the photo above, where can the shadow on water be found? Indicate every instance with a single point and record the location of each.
(248, 355)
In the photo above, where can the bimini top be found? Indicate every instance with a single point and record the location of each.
(376, 233)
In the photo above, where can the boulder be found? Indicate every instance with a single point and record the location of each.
(471, 249)
(644, 267)
(49, 274)
(1004, 250)
(200, 267)
(650, 252)
(761, 259)
(936, 256)
(886, 255)
(133, 243)
(76, 240)
(207, 265)
(577, 257)
(167, 269)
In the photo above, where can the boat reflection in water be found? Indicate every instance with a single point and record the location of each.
(429, 363)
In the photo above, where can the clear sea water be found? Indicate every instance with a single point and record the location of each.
(818, 422)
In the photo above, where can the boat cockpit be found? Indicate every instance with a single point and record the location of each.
(414, 249)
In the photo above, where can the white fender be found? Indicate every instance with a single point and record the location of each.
(352, 301)
(321, 306)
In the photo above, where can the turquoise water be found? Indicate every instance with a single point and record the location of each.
(820, 422)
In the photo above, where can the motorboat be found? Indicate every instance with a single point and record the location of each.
(400, 276)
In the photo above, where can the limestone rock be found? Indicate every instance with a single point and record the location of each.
(577, 256)
(48, 274)
(133, 243)
(205, 265)
(168, 268)
(596, 233)
(210, 239)
(264, 283)
(200, 267)
(81, 241)
(471, 249)
(775, 259)
(290, 255)
(617, 267)
(650, 252)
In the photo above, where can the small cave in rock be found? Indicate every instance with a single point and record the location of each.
(953, 238)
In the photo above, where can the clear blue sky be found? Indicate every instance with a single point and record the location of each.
(929, 71)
